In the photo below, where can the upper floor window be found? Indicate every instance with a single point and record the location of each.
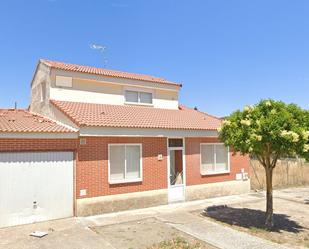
(138, 97)
(63, 81)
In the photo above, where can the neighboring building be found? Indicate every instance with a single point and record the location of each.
(111, 141)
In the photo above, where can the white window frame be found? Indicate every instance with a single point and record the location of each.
(138, 97)
(140, 179)
(215, 157)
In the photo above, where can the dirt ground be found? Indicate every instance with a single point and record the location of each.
(146, 233)
(291, 217)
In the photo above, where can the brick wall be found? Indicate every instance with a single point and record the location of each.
(237, 162)
(92, 162)
(20, 145)
(92, 166)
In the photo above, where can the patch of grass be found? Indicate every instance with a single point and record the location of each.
(177, 243)
(257, 230)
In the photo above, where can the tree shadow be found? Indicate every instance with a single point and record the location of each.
(251, 218)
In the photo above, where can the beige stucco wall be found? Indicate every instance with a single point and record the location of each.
(107, 90)
(89, 91)
(204, 191)
(42, 75)
(121, 202)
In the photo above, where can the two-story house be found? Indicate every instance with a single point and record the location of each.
(98, 140)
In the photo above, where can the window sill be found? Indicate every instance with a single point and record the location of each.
(216, 173)
(138, 104)
(124, 181)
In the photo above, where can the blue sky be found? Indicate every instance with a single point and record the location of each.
(226, 53)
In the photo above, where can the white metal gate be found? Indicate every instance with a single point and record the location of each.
(35, 186)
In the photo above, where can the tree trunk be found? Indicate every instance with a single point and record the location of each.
(269, 223)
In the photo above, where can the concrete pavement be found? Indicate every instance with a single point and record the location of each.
(77, 233)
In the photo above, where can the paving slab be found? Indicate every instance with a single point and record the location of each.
(215, 234)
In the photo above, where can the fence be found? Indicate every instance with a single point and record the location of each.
(288, 172)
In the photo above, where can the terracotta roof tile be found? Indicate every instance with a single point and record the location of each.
(87, 114)
(105, 72)
(12, 120)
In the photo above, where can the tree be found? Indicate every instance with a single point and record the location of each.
(268, 131)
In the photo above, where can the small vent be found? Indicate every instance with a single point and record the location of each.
(82, 141)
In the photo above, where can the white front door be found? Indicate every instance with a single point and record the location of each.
(176, 171)
(35, 186)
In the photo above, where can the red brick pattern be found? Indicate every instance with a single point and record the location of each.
(237, 162)
(92, 162)
(20, 145)
(92, 166)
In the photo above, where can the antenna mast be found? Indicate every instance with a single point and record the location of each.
(102, 49)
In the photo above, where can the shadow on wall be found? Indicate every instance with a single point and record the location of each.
(251, 218)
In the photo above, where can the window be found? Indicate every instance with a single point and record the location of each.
(125, 163)
(131, 96)
(138, 97)
(145, 97)
(175, 142)
(214, 159)
(63, 81)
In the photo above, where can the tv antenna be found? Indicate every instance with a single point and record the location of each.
(102, 49)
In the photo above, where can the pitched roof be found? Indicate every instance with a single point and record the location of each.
(87, 114)
(19, 120)
(106, 72)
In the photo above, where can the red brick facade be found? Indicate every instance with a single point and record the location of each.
(27, 144)
(237, 162)
(92, 166)
(92, 162)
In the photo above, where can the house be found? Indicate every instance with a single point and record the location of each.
(97, 140)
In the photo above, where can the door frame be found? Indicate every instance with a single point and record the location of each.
(169, 186)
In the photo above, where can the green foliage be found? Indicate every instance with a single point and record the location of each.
(269, 129)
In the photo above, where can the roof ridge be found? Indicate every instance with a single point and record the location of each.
(12, 109)
(121, 74)
(101, 68)
(205, 113)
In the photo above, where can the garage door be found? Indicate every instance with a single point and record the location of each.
(35, 187)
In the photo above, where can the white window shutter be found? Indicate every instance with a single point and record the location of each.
(117, 163)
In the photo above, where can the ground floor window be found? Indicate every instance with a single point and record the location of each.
(214, 159)
(125, 163)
